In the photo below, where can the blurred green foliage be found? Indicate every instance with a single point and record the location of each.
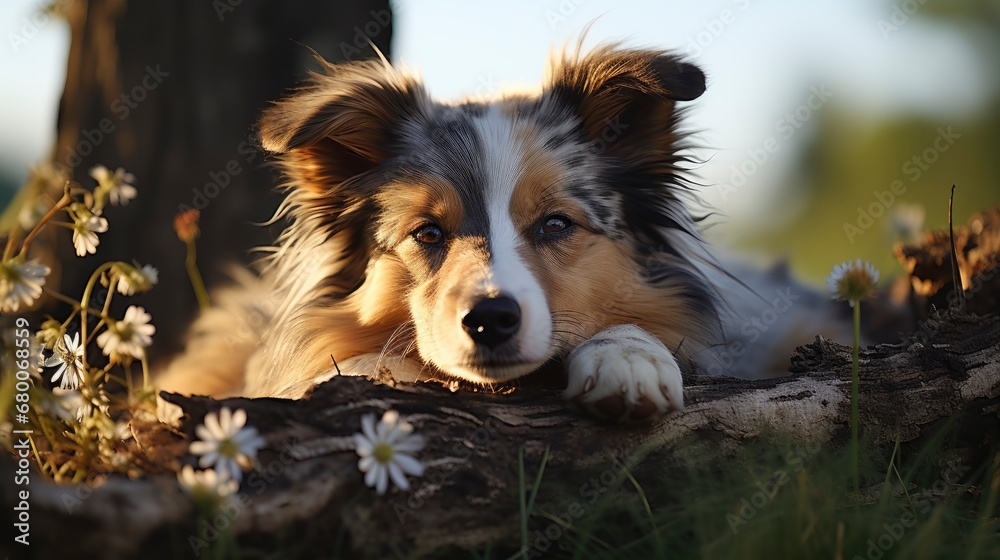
(848, 159)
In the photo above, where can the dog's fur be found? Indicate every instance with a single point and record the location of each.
(405, 213)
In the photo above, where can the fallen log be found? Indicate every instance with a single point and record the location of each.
(307, 488)
(308, 479)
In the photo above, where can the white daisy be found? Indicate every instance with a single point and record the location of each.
(132, 280)
(50, 334)
(226, 443)
(129, 337)
(68, 405)
(30, 213)
(208, 487)
(907, 221)
(85, 231)
(68, 355)
(44, 182)
(116, 184)
(852, 281)
(386, 451)
(20, 283)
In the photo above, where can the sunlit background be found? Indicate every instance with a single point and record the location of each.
(812, 111)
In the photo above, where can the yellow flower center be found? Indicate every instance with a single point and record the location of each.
(124, 330)
(9, 273)
(856, 284)
(383, 452)
(228, 448)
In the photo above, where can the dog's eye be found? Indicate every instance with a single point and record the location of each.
(554, 224)
(428, 234)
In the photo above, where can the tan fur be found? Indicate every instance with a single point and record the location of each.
(222, 339)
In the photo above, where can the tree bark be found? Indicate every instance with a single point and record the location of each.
(307, 481)
(170, 91)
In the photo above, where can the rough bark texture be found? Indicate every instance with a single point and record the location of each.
(177, 87)
(307, 484)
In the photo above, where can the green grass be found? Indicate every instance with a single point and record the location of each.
(773, 500)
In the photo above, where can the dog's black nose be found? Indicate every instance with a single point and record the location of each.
(492, 321)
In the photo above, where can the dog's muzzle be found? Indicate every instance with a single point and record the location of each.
(492, 321)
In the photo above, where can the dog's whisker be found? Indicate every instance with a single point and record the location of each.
(397, 338)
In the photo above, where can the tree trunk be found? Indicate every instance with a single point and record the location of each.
(170, 91)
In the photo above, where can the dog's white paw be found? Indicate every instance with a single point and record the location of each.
(624, 374)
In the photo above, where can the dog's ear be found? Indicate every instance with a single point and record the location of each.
(341, 122)
(329, 136)
(626, 99)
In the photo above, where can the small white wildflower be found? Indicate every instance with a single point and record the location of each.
(50, 333)
(31, 213)
(68, 405)
(386, 451)
(207, 487)
(117, 185)
(852, 281)
(44, 182)
(85, 230)
(132, 280)
(226, 443)
(907, 221)
(20, 283)
(68, 355)
(129, 337)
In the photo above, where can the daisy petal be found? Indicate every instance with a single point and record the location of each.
(362, 445)
(387, 423)
(202, 447)
(203, 433)
(382, 481)
(226, 420)
(412, 444)
(208, 460)
(372, 474)
(239, 419)
(211, 423)
(368, 427)
(365, 464)
(398, 478)
(408, 464)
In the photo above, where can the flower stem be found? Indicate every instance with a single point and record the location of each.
(65, 200)
(128, 382)
(197, 283)
(85, 302)
(76, 305)
(145, 373)
(9, 248)
(854, 395)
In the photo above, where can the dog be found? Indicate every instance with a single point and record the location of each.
(482, 240)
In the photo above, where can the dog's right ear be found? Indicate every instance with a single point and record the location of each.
(340, 123)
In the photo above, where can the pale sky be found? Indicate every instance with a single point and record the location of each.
(763, 60)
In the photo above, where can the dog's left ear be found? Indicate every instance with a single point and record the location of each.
(626, 98)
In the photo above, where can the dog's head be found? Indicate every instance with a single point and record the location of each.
(509, 230)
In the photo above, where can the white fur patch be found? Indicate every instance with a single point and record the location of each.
(504, 158)
(627, 368)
